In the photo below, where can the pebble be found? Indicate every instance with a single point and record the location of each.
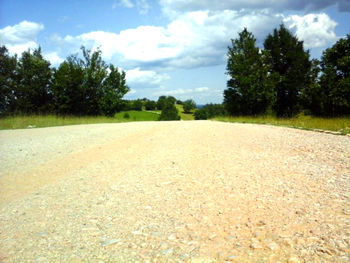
(293, 260)
(110, 242)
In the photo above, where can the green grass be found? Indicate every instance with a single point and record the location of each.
(184, 116)
(302, 122)
(137, 116)
(22, 122)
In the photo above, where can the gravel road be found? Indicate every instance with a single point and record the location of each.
(186, 191)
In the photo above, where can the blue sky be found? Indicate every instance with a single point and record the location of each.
(166, 47)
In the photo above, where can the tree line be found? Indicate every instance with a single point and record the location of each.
(79, 86)
(282, 79)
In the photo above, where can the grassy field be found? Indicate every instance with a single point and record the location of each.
(184, 116)
(36, 121)
(137, 116)
(341, 125)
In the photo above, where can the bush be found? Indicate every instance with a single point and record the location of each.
(126, 115)
(169, 112)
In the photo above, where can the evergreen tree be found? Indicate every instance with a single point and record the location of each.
(290, 69)
(249, 91)
(335, 80)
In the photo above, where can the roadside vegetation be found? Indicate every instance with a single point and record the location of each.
(339, 124)
(278, 84)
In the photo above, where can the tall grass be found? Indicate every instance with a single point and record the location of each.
(341, 125)
(36, 121)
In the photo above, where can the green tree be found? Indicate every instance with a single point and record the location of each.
(163, 100)
(68, 87)
(150, 105)
(290, 67)
(249, 91)
(95, 70)
(113, 90)
(189, 105)
(335, 78)
(210, 111)
(312, 96)
(169, 111)
(8, 66)
(34, 77)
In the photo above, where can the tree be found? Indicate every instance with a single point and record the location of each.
(312, 96)
(169, 111)
(189, 105)
(163, 100)
(34, 77)
(68, 87)
(8, 66)
(150, 105)
(290, 68)
(210, 111)
(113, 89)
(249, 91)
(335, 78)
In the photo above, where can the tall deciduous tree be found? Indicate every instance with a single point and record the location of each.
(67, 87)
(8, 66)
(335, 80)
(189, 105)
(34, 76)
(290, 67)
(249, 92)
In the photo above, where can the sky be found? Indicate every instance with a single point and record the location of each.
(166, 47)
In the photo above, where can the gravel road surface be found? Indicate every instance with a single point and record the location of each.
(194, 191)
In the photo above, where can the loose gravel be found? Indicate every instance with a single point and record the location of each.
(196, 191)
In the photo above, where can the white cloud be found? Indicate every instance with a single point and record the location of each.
(172, 7)
(182, 91)
(193, 39)
(20, 37)
(137, 76)
(123, 3)
(316, 30)
(143, 6)
(54, 58)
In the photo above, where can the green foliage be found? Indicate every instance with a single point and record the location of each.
(164, 100)
(179, 102)
(249, 89)
(335, 80)
(31, 93)
(169, 111)
(126, 115)
(210, 111)
(150, 105)
(8, 67)
(289, 67)
(189, 105)
(137, 105)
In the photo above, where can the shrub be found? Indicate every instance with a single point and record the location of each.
(126, 115)
(169, 112)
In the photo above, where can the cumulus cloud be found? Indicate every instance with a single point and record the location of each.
(54, 58)
(138, 76)
(316, 30)
(182, 91)
(20, 37)
(193, 39)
